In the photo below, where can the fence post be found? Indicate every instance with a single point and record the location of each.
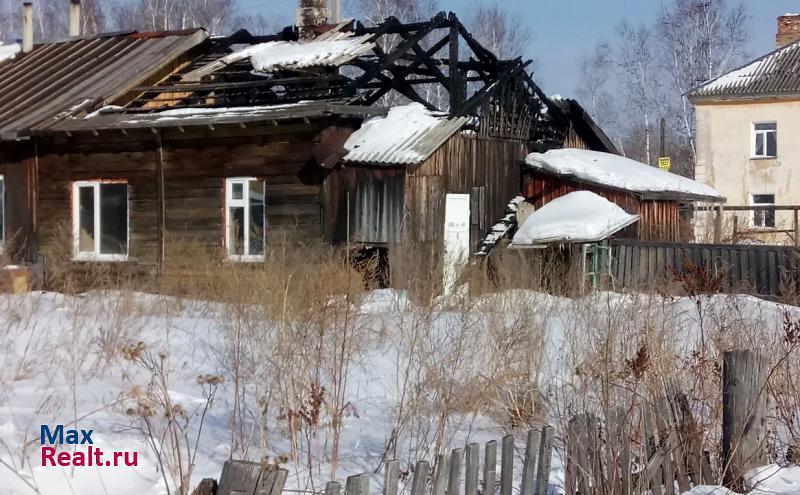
(744, 404)
(454, 480)
(471, 465)
(390, 477)
(543, 470)
(796, 229)
(357, 484)
(490, 468)
(529, 464)
(718, 224)
(333, 488)
(507, 466)
(440, 477)
(420, 478)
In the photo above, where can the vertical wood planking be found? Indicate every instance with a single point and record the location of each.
(333, 488)
(357, 485)
(471, 467)
(545, 455)
(440, 477)
(490, 468)
(529, 464)
(391, 475)
(420, 482)
(454, 479)
(507, 466)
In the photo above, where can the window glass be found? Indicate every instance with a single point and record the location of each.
(256, 202)
(235, 231)
(765, 140)
(113, 218)
(763, 218)
(86, 219)
(237, 190)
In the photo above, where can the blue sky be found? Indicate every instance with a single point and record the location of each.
(563, 30)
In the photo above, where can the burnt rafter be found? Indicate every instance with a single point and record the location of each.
(410, 60)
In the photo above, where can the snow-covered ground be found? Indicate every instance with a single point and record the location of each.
(62, 364)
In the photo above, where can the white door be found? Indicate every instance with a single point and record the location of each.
(456, 238)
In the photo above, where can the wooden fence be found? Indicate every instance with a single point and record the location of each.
(756, 269)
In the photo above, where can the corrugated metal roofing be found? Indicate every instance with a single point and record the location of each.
(188, 117)
(408, 135)
(55, 80)
(775, 74)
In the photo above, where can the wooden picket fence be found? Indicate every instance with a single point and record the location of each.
(450, 474)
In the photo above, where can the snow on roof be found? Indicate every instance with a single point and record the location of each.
(580, 216)
(407, 135)
(605, 169)
(774, 73)
(8, 50)
(292, 54)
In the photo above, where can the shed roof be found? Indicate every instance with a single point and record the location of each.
(116, 119)
(776, 74)
(617, 172)
(57, 80)
(407, 135)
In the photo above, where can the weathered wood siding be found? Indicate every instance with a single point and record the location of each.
(486, 169)
(17, 166)
(195, 165)
(660, 220)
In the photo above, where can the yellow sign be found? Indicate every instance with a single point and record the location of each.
(665, 163)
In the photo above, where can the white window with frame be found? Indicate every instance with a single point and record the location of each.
(245, 218)
(763, 219)
(100, 220)
(765, 140)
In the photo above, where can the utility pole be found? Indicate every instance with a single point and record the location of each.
(335, 11)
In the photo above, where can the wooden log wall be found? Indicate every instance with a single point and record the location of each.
(660, 220)
(487, 169)
(194, 165)
(17, 166)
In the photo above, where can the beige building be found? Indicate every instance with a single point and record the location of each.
(748, 137)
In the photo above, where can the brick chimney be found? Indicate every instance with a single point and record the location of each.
(788, 29)
(310, 13)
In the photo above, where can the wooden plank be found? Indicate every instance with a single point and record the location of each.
(655, 457)
(239, 477)
(490, 468)
(529, 464)
(391, 476)
(420, 483)
(454, 479)
(333, 488)
(471, 469)
(357, 485)
(440, 477)
(272, 481)
(545, 456)
(507, 466)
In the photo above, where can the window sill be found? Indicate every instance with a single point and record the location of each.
(245, 259)
(762, 158)
(116, 258)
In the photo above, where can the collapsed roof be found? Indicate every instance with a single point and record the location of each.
(437, 64)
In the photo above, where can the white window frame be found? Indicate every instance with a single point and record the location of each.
(754, 135)
(753, 216)
(244, 202)
(95, 255)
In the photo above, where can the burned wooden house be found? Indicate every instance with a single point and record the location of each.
(373, 136)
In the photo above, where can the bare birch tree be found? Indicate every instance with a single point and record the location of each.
(500, 31)
(165, 15)
(701, 40)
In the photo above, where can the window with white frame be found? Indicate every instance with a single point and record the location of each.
(765, 140)
(763, 218)
(100, 220)
(245, 222)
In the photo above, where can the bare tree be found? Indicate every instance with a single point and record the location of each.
(594, 89)
(164, 15)
(500, 31)
(636, 57)
(701, 40)
(376, 11)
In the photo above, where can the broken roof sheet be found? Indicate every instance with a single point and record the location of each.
(407, 135)
(39, 88)
(618, 172)
(115, 118)
(330, 50)
(580, 216)
(774, 74)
